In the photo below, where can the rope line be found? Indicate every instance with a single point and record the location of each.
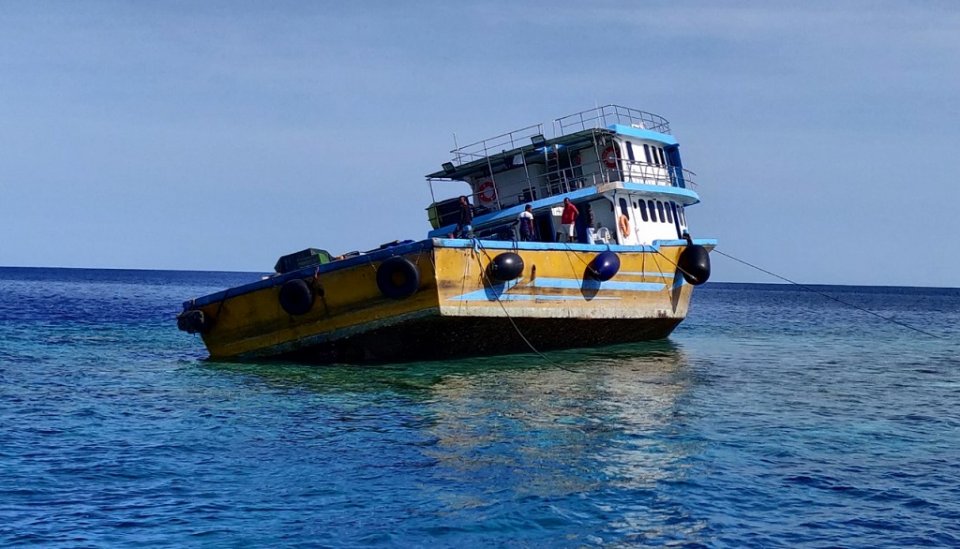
(506, 313)
(838, 300)
(670, 261)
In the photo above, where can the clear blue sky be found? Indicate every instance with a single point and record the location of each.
(220, 135)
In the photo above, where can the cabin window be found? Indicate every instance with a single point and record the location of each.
(683, 216)
(625, 207)
(669, 207)
(653, 210)
(630, 151)
(643, 211)
(663, 218)
(646, 152)
(663, 160)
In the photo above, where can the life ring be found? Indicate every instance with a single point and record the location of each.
(624, 225)
(609, 157)
(486, 192)
(296, 297)
(398, 278)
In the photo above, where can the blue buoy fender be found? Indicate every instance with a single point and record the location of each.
(398, 278)
(505, 267)
(604, 267)
(694, 264)
(296, 297)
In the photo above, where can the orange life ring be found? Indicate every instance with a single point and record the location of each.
(609, 157)
(624, 225)
(486, 191)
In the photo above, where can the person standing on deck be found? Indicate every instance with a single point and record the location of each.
(525, 220)
(568, 219)
(465, 225)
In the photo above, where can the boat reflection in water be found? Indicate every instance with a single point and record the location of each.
(596, 422)
(584, 445)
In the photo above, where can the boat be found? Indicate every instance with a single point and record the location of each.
(622, 269)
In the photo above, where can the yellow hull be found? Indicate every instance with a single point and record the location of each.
(457, 308)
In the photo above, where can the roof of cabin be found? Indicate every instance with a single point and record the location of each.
(531, 152)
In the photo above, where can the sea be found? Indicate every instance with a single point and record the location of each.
(774, 416)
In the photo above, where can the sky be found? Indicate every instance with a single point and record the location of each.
(221, 135)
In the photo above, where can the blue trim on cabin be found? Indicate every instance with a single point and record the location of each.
(687, 197)
(649, 135)
(675, 164)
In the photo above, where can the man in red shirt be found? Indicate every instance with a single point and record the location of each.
(568, 220)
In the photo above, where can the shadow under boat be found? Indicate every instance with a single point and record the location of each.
(417, 376)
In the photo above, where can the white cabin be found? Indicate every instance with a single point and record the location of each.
(620, 164)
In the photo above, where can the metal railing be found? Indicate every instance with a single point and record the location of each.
(592, 174)
(608, 115)
(599, 117)
(497, 144)
(654, 174)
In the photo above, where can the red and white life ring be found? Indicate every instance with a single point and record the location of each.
(609, 157)
(486, 192)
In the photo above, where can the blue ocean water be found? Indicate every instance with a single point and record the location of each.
(773, 417)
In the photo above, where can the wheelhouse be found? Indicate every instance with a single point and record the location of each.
(621, 167)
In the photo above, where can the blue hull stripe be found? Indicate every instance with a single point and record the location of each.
(528, 297)
(500, 291)
(574, 284)
(647, 274)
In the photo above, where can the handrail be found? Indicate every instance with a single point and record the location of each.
(608, 115)
(496, 144)
(595, 173)
(598, 117)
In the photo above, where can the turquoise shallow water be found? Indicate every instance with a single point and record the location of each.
(772, 417)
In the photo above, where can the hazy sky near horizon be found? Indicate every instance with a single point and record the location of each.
(220, 135)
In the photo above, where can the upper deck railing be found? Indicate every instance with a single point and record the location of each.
(496, 144)
(599, 117)
(591, 174)
(608, 115)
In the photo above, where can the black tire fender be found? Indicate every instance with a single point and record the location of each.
(398, 278)
(296, 297)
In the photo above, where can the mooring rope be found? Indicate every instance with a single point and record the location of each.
(483, 272)
(828, 296)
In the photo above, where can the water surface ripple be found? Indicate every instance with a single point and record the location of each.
(771, 418)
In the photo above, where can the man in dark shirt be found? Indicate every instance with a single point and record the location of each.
(525, 220)
(465, 225)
